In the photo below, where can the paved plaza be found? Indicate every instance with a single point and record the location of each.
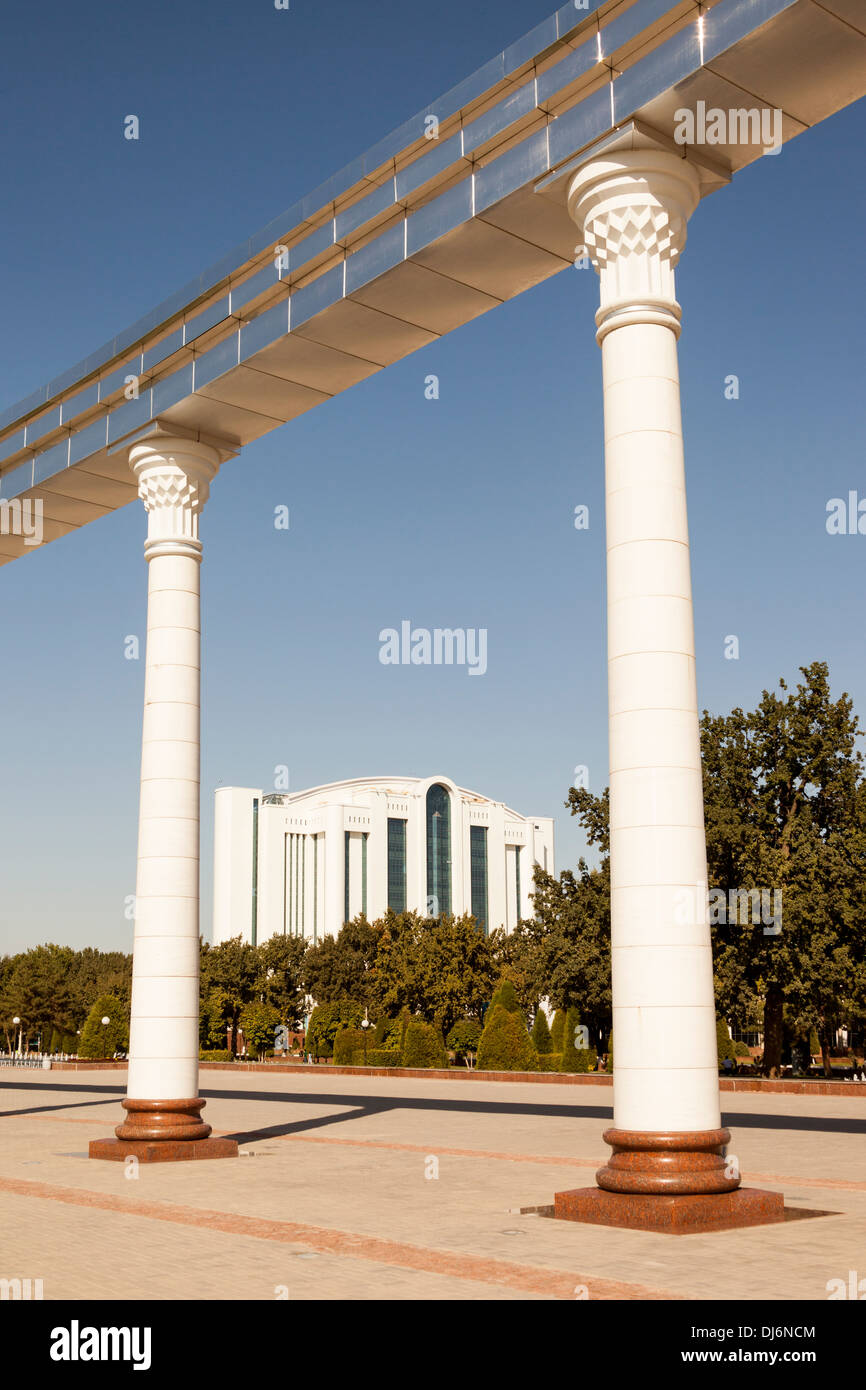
(368, 1188)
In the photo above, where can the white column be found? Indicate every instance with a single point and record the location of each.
(632, 208)
(174, 477)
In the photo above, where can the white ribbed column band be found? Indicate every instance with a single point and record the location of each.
(632, 208)
(174, 477)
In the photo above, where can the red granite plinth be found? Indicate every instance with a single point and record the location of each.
(671, 1162)
(163, 1131)
(686, 1214)
(163, 1150)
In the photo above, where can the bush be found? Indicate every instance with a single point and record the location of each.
(505, 1044)
(741, 1050)
(610, 1051)
(464, 1036)
(216, 1055)
(557, 1031)
(423, 1045)
(723, 1042)
(541, 1033)
(549, 1061)
(347, 1042)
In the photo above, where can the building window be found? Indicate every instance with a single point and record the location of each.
(315, 890)
(517, 881)
(346, 875)
(364, 839)
(397, 865)
(478, 874)
(255, 904)
(438, 851)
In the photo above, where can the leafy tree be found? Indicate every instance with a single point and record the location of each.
(229, 973)
(464, 1037)
(343, 967)
(326, 1021)
(280, 980)
(505, 1044)
(36, 988)
(786, 813)
(440, 968)
(541, 1034)
(102, 1040)
(259, 1022)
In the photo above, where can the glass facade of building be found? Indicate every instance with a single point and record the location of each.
(478, 873)
(438, 851)
(397, 865)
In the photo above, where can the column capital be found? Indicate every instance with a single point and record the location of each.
(632, 207)
(174, 475)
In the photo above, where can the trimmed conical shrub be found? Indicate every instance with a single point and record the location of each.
(575, 1059)
(505, 1044)
(101, 1040)
(557, 1030)
(723, 1042)
(506, 996)
(541, 1034)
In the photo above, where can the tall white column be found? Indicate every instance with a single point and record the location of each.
(174, 477)
(668, 1170)
(632, 209)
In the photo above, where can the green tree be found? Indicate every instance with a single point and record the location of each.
(280, 980)
(541, 1034)
(343, 967)
(229, 974)
(557, 1031)
(786, 815)
(259, 1022)
(101, 1040)
(440, 968)
(36, 988)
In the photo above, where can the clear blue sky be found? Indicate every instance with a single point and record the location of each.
(453, 513)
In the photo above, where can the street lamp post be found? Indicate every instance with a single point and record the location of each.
(17, 1024)
(105, 1023)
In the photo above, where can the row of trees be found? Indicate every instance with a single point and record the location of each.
(785, 803)
(53, 990)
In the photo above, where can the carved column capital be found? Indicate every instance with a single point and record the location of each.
(632, 208)
(174, 477)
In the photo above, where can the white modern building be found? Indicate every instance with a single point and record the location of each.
(302, 864)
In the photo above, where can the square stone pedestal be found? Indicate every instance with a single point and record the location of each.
(676, 1216)
(163, 1150)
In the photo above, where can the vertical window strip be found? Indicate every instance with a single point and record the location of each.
(254, 925)
(364, 874)
(346, 885)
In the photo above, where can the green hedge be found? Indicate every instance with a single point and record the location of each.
(216, 1055)
(376, 1057)
(347, 1042)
